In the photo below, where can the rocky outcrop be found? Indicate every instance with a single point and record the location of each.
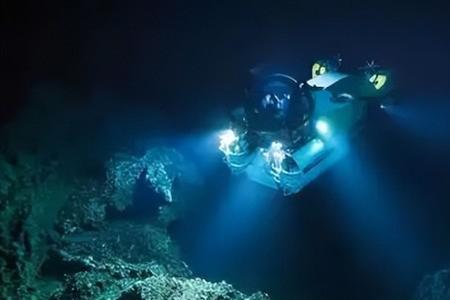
(58, 240)
(128, 261)
(434, 286)
(32, 191)
(158, 167)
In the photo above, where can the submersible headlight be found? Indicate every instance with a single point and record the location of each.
(323, 128)
(275, 156)
(276, 149)
(227, 139)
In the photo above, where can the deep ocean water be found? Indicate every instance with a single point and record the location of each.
(112, 186)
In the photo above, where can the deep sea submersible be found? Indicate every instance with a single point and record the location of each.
(289, 132)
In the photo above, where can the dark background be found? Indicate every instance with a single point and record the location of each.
(90, 77)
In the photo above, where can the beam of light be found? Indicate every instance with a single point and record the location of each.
(426, 120)
(241, 217)
(371, 212)
(198, 148)
(235, 209)
(226, 216)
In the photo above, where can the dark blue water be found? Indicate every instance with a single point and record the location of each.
(93, 77)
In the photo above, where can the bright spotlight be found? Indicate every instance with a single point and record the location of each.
(382, 106)
(227, 139)
(277, 151)
(317, 146)
(323, 128)
(275, 156)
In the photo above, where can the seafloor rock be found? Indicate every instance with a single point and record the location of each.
(31, 194)
(85, 208)
(7, 175)
(128, 261)
(158, 167)
(130, 284)
(434, 287)
(129, 242)
(90, 256)
(163, 287)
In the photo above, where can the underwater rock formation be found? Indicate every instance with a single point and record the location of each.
(128, 261)
(58, 241)
(163, 287)
(32, 191)
(159, 167)
(130, 242)
(434, 286)
(85, 208)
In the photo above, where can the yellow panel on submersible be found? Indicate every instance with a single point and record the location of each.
(378, 80)
(315, 70)
(318, 68)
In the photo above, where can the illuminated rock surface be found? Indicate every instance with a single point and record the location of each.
(434, 286)
(59, 241)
